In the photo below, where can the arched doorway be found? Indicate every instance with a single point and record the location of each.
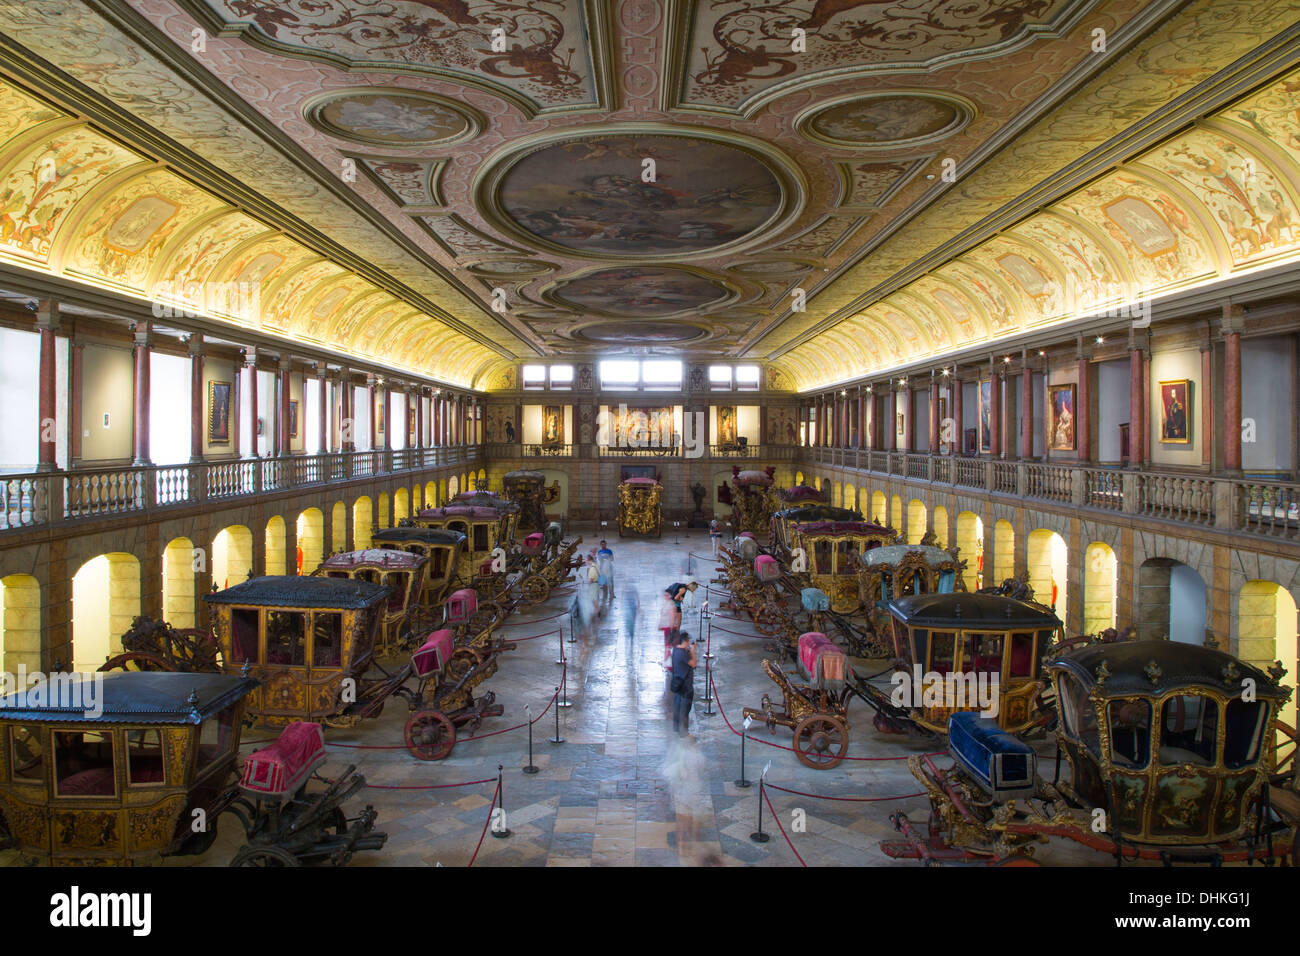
(311, 540)
(1004, 552)
(232, 556)
(339, 527)
(381, 518)
(20, 623)
(1266, 632)
(276, 560)
(941, 526)
(453, 487)
(401, 505)
(430, 494)
(363, 523)
(878, 514)
(1047, 560)
(896, 513)
(798, 477)
(178, 582)
(105, 599)
(1171, 602)
(915, 521)
(1100, 583)
(970, 539)
(850, 497)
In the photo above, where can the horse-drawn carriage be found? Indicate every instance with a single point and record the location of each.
(817, 712)
(797, 495)
(751, 497)
(640, 507)
(528, 490)
(311, 643)
(442, 548)
(402, 572)
(1170, 759)
(144, 773)
(783, 522)
(831, 553)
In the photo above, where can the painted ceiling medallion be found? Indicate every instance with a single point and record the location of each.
(640, 193)
(639, 333)
(641, 292)
(512, 267)
(886, 120)
(766, 268)
(392, 117)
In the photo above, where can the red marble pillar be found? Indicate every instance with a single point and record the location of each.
(252, 402)
(1083, 411)
(374, 412)
(909, 421)
(1231, 400)
(1137, 425)
(869, 421)
(143, 351)
(322, 411)
(891, 427)
(197, 397)
(418, 396)
(1146, 408)
(934, 415)
(1207, 378)
(390, 426)
(1026, 412)
(47, 409)
(283, 414)
(995, 416)
(955, 447)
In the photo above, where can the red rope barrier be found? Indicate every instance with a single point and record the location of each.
(428, 786)
(781, 828)
(486, 824)
(769, 743)
(519, 726)
(537, 620)
(533, 637)
(727, 630)
(818, 796)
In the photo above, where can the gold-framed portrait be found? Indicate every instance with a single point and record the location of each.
(219, 413)
(1176, 412)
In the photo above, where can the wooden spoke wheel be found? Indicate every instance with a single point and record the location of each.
(486, 615)
(136, 661)
(264, 856)
(463, 660)
(533, 591)
(768, 620)
(430, 735)
(821, 740)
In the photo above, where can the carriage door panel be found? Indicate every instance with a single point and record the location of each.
(286, 663)
(1128, 727)
(1186, 783)
(327, 655)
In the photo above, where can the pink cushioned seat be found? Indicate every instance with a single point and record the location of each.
(285, 765)
(461, 605)
(433, 653)
(766, 568)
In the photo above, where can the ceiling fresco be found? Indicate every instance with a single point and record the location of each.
(759, 180)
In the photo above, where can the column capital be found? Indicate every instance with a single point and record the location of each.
(194, 343)
(1232, 319)
(249, 357)
(47, 314)
(286, 362)
(142, 332)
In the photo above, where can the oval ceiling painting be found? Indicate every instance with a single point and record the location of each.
(639, 195)
(379, 117)
(639, 333)
(886, 121)
(641, 292)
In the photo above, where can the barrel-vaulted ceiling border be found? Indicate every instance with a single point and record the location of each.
(1207, 203)
(79, 205)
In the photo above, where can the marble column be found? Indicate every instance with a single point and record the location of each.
(75, 366)
(1136, 440)
(1231, 324)
(282, 414)
(1207, 409)
(322, 411)
(251, 365)
(934, 413)
(197, 397)
(995, 415)
(1026, 408)
(47, 408)
(891, 427)
(1083, 407)
(956, 448)
(143, 351)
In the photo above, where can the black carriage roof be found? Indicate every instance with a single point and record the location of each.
(298, 591)
(482, 499)
(816, 512)
(525, 473)
(970, 610)
(424, 535)
(132, 697)
(1155, 667)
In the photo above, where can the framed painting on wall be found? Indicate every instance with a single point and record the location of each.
(410, 426)
(726, 425)
(552, 426)
(986, 427)
(1175, 412)
(293, 419)
(218, 413)
(1060, 428)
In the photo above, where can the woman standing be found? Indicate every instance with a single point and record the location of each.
(670, 617)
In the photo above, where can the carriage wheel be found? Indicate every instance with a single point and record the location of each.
(136, 661)
(430, 735)
(486, 615)
(820, 741)
(768, 620)
(264, 856)
(463, 660)
(533, 591)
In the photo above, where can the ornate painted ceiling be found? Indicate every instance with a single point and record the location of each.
(453, 186)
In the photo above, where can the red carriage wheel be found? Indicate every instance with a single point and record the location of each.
(821, 740)
(430, 735)
(136, 661)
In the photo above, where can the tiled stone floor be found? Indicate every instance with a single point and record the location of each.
(622, 790)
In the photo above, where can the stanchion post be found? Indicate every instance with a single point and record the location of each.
(504, 831)
(742, 783)
(564, 689)
(557, 739)
(559, 634)
(758, 836)
(528, 713)
(572, 639)
(707, 615)
(708, 689)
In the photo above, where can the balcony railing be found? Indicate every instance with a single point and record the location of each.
(38, 499)
(1268, 508)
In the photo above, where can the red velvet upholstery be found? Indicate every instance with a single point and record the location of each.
(88, 783)
(816, 650)
(461, 605)
(766, 568)
(433, 653)
(282, 767)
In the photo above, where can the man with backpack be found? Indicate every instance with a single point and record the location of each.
(683, 682)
